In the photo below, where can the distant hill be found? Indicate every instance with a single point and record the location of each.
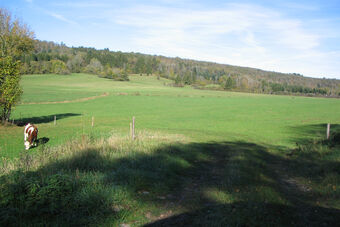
(50, 57)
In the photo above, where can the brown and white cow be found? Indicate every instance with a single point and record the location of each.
(30, 134)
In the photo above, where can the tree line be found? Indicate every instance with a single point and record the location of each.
(50, 57)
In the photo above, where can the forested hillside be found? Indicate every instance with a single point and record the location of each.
(49, 57)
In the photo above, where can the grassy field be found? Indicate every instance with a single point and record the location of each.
(197, 114)
(203, 158)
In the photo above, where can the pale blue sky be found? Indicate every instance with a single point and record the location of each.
(284, 36)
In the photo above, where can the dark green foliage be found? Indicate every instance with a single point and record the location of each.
(10, 90)
(140, 65)
(124, 76)
(178, 80)
(62, 198)
(276, 87)
(335, 138)
(28, 195)
(284, 88)
(229, 84)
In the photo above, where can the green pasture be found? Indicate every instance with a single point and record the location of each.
(200, 115)
(201, 158)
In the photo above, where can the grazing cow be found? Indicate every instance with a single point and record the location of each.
(30, 134)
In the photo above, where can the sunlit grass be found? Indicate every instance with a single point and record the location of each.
(199, 114)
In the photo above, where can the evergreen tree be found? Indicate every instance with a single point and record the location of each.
(229, 84)
(125, 76)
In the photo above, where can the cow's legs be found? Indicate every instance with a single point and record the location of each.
(27, 144)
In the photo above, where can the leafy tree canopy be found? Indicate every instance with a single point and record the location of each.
(15, 37)
(15, 40)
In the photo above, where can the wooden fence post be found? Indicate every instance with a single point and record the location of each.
(55, 119)
(133, 128)
(130, 129)
(328, 130)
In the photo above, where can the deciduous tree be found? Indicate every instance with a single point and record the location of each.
(15, 40)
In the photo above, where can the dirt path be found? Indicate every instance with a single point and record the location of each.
(69, 101)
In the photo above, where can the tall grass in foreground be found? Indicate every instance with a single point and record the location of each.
(116, 146)
(85, 181)
(167, 180)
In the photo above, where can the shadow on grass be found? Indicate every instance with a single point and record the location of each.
(43, 119)
(249, 214)
(42, 141)
(200, 184)
(304, 134)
